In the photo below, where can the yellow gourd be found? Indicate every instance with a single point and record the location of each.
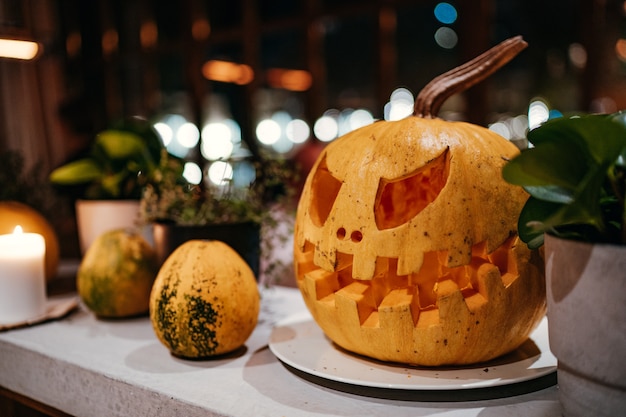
(205, 301)
(116, 274)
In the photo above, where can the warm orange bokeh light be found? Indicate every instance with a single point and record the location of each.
(201, 29)
(110, 40)
(73, 44)
(149, 34)
(227, 72)
(294, 80)
(620, 49)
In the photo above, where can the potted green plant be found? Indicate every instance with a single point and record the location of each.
(575, 173)
(179, 210)
(109, 179)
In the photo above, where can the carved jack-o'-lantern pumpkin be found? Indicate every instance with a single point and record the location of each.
(406, 247)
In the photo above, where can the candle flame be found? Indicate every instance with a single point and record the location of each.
(18, 230)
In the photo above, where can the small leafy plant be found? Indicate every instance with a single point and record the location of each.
(117, 166)
(168, 197)
(575, 174)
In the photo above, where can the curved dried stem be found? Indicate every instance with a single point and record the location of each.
(436, 92)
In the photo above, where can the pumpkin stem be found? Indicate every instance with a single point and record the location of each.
(458, 79)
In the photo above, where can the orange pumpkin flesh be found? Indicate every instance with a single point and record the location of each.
(406, 247)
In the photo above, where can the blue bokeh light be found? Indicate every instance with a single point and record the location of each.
(445, 13)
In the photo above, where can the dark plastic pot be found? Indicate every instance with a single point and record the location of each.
(245, 238)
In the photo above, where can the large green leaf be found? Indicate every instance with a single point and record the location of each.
(551, 193)
(146, 131)
(565, 149)
(77, 172)
(567, 173)
(600, 137)
(531, 229)
(120, 162)
(118, 144)
(558, 163)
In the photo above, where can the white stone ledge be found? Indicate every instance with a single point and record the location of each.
(89, 367)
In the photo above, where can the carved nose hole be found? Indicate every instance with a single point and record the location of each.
(341, 233)
(356, 236)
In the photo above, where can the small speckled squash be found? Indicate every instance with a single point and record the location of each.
(406, 246)
(205, 300)
(116, 274)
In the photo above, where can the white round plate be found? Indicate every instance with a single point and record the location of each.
(300, 343)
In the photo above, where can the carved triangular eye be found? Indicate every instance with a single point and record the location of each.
(401, 199)
(324, 190)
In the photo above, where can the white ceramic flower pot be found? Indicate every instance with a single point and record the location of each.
(95, 217)
(586, 296)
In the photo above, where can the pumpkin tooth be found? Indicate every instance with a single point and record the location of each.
(395, 309)
(450, 301)
(355, 297)
(325, 257)
(408, 263)
(366, 265)
(321, 284)
(303, 260)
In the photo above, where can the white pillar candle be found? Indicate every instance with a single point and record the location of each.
(22, 277)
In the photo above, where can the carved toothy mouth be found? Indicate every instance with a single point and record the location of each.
(424, 287)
